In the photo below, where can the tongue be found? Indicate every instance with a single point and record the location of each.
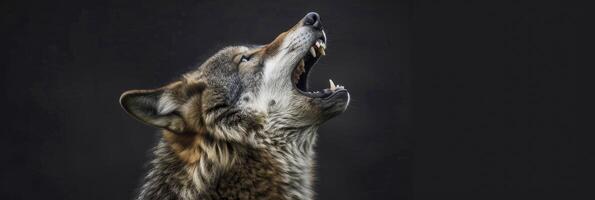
(298, 71)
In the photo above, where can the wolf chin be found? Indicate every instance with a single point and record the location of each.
(243, 124)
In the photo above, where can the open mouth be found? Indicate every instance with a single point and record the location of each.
(301, 71)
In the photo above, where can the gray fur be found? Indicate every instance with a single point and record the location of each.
(236, 129)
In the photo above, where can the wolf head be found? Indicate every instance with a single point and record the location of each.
(243, 92)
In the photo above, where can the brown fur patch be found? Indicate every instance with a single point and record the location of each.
(186, 146)
(272, 48)
(187, 143)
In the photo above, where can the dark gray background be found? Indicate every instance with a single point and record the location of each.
(450, 99)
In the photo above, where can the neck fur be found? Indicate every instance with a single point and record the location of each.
(196, 170)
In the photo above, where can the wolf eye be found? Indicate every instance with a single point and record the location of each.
(244, 59)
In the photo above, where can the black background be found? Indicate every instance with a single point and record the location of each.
(449, 99)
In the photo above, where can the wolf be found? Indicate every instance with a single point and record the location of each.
(243, 124)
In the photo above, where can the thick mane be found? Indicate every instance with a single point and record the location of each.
(213, 168)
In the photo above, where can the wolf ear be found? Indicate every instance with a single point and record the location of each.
(154, 107)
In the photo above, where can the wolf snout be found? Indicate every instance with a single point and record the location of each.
(313, 19)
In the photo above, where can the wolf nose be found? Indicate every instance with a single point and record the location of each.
(313, 19)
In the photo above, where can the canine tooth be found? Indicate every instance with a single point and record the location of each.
(333, 87)
(321, 50)
(313, 52)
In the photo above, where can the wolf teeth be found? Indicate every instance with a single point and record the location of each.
(313, 52)
(320, 43)
(333, 87)
(321, 47)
